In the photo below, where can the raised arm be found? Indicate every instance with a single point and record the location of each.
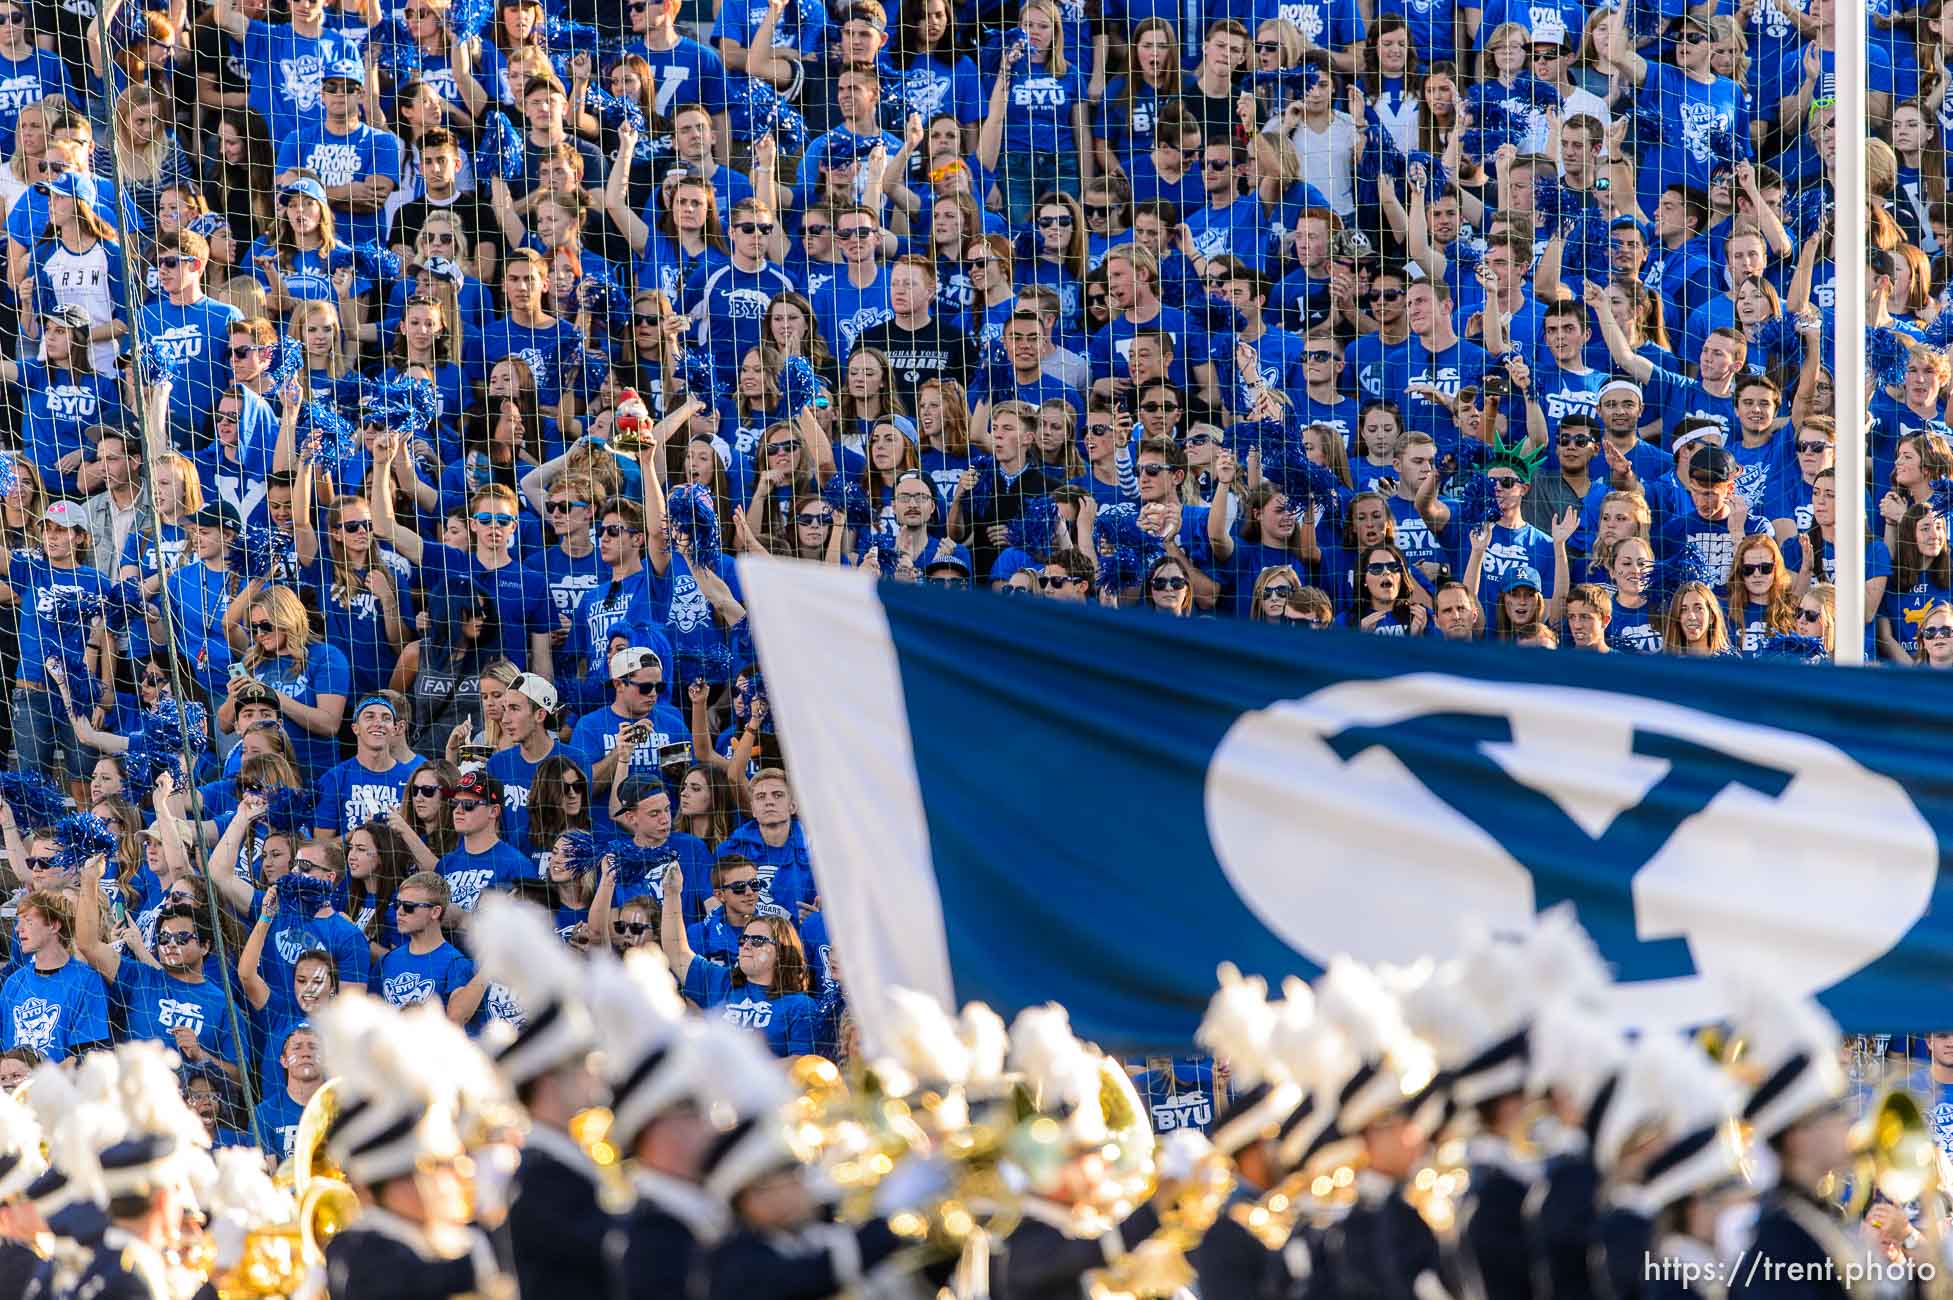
(89, 944)
(1637, 367)
(386, 528)
(671, 924)
(256, 991)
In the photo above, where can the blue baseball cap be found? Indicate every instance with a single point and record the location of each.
(72, 184)
(305, 185)
(1523, 576)
(345, 69)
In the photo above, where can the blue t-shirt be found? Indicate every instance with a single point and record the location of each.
(517, 774)
(1691, 110)
(407, 977)
(1037, 113)
(199, 596)
(361, 153)
(1906, 610)
(28, 80)
(729, 305)
(195, 340)
(468, 874)
(325, 673)
(352, 794)
(154, 1005)
(553, 352)
(286, 70)
(292, 937)
(46, 631)
(354, 622)
(846, 311)
(687, 73)
(595, 735)
(60, 405)
(519, 597)
(569, 578)
(54, 1012)
(787, 1019)
(1511, 549)
(278, 1116)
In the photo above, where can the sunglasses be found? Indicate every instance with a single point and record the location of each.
(1282, 592)
(1200, 440)
(41, 864)
(1062, 580)
(1503, 482)
(1158, 408)
(155, 679)
(1939, 633)
(14, 18)
(976, 262)
(645, 688)
(1154, 471)
(1382, 567)
(573, 787)
(564, 507)
(753, 227)
(618, 530)
(1169, 583)
(356, 526)
(428, 792)
(1577, 440)
(632, 928)
(755, 940)
(175, 938)
(742, 887)
(264, 627)
(814, 517)
(1100, 430)
(1062, 219)
(1816, 616)
(469, 805)
(1695, 38)
(959, 584)
(1758, 570)
(409, 906)
(494, 519)
(784, 447)
(815, 231)
(1318, 356)
(854, 232)
(1384, 295)
(1268, 47)
(240, 352)
(1814, 447)
(650, 321)
(1099, 210)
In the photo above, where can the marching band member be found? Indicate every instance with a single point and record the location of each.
(1576, 1056)
(397, 1137)
(20, 1164)
(658, 1068)
(563, 1234)
(1798, 1110)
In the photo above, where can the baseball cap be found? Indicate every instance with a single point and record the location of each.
(70, 314)
(948, 560)
(305, 185)
(1523, 576)
(630, 659)
(1549, 30)
(1713, 463)
(68, 514)
(1693, 23)
(537, 690)
(478, 785)
(217, 514)
(441, 268)
(254, 693)
(72, 184)
(345, 70)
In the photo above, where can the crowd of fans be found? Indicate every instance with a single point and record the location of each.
(392, 389)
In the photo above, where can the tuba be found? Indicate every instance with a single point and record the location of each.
(326, 1202)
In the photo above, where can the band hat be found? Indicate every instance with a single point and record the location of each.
(515, 944)
(1793, 1048)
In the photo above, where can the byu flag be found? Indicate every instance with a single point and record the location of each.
(1023, 800)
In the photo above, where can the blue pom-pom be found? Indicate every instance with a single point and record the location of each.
(35, 800)
(637, 866)
(469, 18)
(79, 837)
(1886, 355)
(287, 808)
(9, 473)
(882, 552)
(1036, 530)
(405, 405)
(700, 380)
(844, 492)
(180, 725)
(154, 365)
(1681, 569)
(368, 260)
(580, 851)
(1726, 149)
(1125, 549)
(800, 385)
(1493, 127)
(301, 896)
(689, 510)
(287, 363)
(757, 109)
(498, 150)
(1478, 503)
(1803, 649)
(566, 39)
(325, 436)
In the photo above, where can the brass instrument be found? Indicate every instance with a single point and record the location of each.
(1158, 1266)
(1893, 1152)
(278, 1257)
(590, 1130)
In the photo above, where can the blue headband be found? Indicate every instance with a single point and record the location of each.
(370, 700)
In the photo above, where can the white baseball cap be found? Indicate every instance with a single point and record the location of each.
(537, 690)
(630, 659)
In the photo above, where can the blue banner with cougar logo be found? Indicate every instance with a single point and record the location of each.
(1019, 801)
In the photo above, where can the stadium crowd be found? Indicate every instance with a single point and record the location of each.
(393, 388)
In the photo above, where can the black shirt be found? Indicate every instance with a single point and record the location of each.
(940, 349)
(477, 223)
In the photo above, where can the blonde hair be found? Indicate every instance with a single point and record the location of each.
(189, 485)
(286, 613)
(304, 314)
(1054, 59)
(1487, 68)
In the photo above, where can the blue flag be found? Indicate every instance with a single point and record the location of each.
(1019, 801)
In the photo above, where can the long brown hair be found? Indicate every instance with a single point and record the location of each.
(789, 958)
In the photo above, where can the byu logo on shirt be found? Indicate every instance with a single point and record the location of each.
(1686, 841)
(34, 1022)
(750, 1013)
(1186, 1110)
(173, 1014)
(407, 988)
